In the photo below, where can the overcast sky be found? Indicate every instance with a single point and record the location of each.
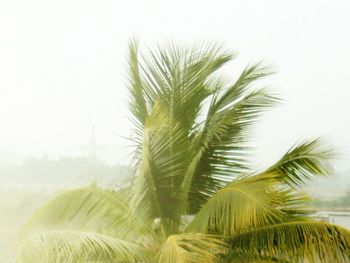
(63, 67)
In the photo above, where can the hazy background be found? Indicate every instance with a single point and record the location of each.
(63, 70)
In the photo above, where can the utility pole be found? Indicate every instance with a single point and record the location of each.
(92, 156)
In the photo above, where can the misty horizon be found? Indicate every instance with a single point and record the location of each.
(60, 77)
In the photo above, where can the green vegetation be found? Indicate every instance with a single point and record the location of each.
(194, 197)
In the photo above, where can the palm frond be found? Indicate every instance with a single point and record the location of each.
(75, 246)
(224, 98)
(294, 242)
(219, 149)
(176, 77)
(191, 248)
(305, 161)
(180, 74)
(222, 155)
(160, 172)
(245, 204)
(176, 81)
(88, 208)
(137, 102)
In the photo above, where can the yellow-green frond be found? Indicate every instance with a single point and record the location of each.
(76, 247)
(294, 242)
(191, 248)
(305, 161)
(244, 204)
(89, 208)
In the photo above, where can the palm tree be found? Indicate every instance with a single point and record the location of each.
(194, 197)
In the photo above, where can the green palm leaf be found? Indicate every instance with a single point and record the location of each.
(247, 203)
(137, 99)
(174, 85)
(160, 172)
(88, 208)
(177, 77)
(305, 161)
(220, 149)
(294, 242)
(76, 246)
(191, 248)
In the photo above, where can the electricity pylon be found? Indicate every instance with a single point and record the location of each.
(92, 156)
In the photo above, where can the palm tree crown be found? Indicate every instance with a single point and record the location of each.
(194, 197)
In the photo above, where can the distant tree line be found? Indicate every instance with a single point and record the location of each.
(66, 170)
(342, 202)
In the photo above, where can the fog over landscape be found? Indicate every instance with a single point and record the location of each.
(63, 68)
(60, 77)
(64, 119)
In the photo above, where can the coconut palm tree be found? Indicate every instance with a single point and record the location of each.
(194, 197)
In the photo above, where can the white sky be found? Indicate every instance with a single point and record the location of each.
(63, 67)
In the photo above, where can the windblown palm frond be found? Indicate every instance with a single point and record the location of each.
(305, 161)
(175, 84)
(191, 248)
(160, 172)
(76, 246)
(293, 242)
(247, 203)
(137, 98)
(89, 208)
(175, 77)
(221, 151)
